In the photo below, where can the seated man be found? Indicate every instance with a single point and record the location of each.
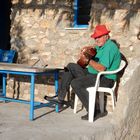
(107, 58)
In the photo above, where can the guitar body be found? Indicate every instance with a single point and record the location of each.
(88, 54)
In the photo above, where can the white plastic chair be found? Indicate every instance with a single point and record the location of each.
(93, 90)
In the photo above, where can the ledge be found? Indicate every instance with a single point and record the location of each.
(76, 28)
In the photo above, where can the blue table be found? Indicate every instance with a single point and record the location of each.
(19, 69)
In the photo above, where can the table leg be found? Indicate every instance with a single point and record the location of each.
(4, 85)
(56, 74)
(32, 86)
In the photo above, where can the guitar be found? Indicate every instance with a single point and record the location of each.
(87, 54)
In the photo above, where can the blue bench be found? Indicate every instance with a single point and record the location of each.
(7, 56)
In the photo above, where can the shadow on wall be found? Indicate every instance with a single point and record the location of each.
(17, 40)
(42, 5)
(138, 35)
(131, 6)
(110, 7)
(21, 82)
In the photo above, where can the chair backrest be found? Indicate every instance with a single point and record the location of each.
(122, 65)
(7, 56)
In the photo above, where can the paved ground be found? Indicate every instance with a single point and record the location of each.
(49, 125)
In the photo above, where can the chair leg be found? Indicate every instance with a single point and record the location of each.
(113, 100)
(75, 103)
(101, 101)
(92, 96)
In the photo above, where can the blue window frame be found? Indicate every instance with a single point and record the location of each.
(82, 13)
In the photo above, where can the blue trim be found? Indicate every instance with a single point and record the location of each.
(81, 26)
(75, 12)
(37, 105)
(75, 24)
(16, 100)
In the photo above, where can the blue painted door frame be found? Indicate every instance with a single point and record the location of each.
(76, 16)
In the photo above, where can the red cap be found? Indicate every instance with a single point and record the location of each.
(99, 31)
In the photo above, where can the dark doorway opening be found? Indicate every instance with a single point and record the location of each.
(83, 12)
(5, 24)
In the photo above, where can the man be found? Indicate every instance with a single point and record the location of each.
(107, 58)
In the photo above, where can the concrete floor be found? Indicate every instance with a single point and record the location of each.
(48, 125)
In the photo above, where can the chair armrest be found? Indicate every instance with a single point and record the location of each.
(108, 72)
(97, 83)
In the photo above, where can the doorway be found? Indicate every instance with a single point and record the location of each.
(5, 24)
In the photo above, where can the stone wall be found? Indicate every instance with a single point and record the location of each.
(38, 30)
(127, 112)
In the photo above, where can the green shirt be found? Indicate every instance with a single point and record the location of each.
(109, 56)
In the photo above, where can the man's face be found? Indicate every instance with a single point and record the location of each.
(100, 41)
